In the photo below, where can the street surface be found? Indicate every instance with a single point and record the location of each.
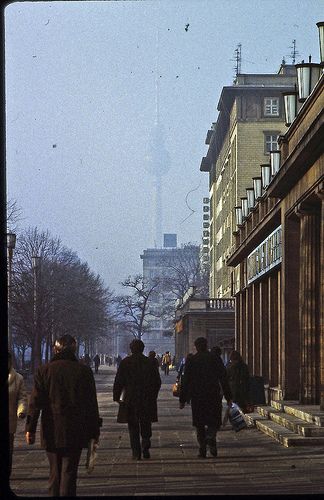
(248, 462)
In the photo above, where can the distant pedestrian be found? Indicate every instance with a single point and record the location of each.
(65, 393)
(152, 356)
(118, 360)
(238, 378)
(182, 366)
(96, 361)
(166, 362)
(136, 387)
(201, 386)
(17, 403)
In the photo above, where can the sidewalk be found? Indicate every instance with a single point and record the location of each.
(248, 462)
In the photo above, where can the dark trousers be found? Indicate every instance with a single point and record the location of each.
(206, 435)
(166, 369)
(63, 472)
(139, 427)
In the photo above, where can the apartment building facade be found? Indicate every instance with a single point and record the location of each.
(250, 119)
(278, 256)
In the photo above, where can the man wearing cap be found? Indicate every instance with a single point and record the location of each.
(64, 393)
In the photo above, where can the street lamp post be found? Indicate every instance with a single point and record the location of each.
(36, 261)
(11, 243)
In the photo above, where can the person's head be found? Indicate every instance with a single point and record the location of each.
(152, 354)
(216, 350)
(66, 343)
(136, 346)
(201, 344)
(235, 357)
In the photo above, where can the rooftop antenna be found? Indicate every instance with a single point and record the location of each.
(238, 59)
(294, 52)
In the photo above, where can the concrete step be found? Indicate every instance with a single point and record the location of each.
(308, 413)
(295, 424)
(285, 436)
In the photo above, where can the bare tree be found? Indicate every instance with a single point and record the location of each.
(135, 308)
(14, 216)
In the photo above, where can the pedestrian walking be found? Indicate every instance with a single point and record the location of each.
(166, 362)
(152, 357)
(182, 366)
(64, 392)
(201, 386)
(96, 361)
(136, 387)
(238, 378)
(17, 404)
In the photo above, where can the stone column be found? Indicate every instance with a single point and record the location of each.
(309, 302)
(320, 195)
(264, 329)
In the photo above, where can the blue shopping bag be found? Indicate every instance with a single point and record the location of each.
(236, 417)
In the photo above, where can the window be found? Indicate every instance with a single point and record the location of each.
(270, 141)
(271, 106)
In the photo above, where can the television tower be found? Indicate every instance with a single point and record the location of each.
(157, 159)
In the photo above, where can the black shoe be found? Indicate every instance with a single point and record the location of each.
(213, 451)
(136, 455)
(146, 454)
(202, 453)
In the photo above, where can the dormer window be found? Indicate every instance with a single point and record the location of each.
(271, 106)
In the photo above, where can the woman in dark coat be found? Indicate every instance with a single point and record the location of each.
(201, 381)
(238, 378)
(136, 387)
(64, 393)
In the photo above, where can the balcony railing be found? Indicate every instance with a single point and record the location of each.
(220, 304)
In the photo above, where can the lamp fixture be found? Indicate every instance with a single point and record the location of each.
(290, 102)
(308, 75)
(245, 208)
(250, 197)
(265, 175)
(321, 39)
(275, 161)
(238, 216)
(257, 186)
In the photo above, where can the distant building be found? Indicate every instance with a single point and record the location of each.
(157, 263)
(250, 120)
(213, 319)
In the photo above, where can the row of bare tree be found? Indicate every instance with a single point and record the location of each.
(54, 295)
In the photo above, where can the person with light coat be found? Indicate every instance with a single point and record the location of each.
(17, 404)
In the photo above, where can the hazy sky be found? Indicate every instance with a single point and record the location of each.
(80, 93)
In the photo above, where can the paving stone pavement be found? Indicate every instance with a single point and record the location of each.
(248, 462)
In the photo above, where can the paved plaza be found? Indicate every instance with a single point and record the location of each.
(248, 462)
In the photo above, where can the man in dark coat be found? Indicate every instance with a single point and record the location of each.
(203, 376)
(64, 392)
(136, 387)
